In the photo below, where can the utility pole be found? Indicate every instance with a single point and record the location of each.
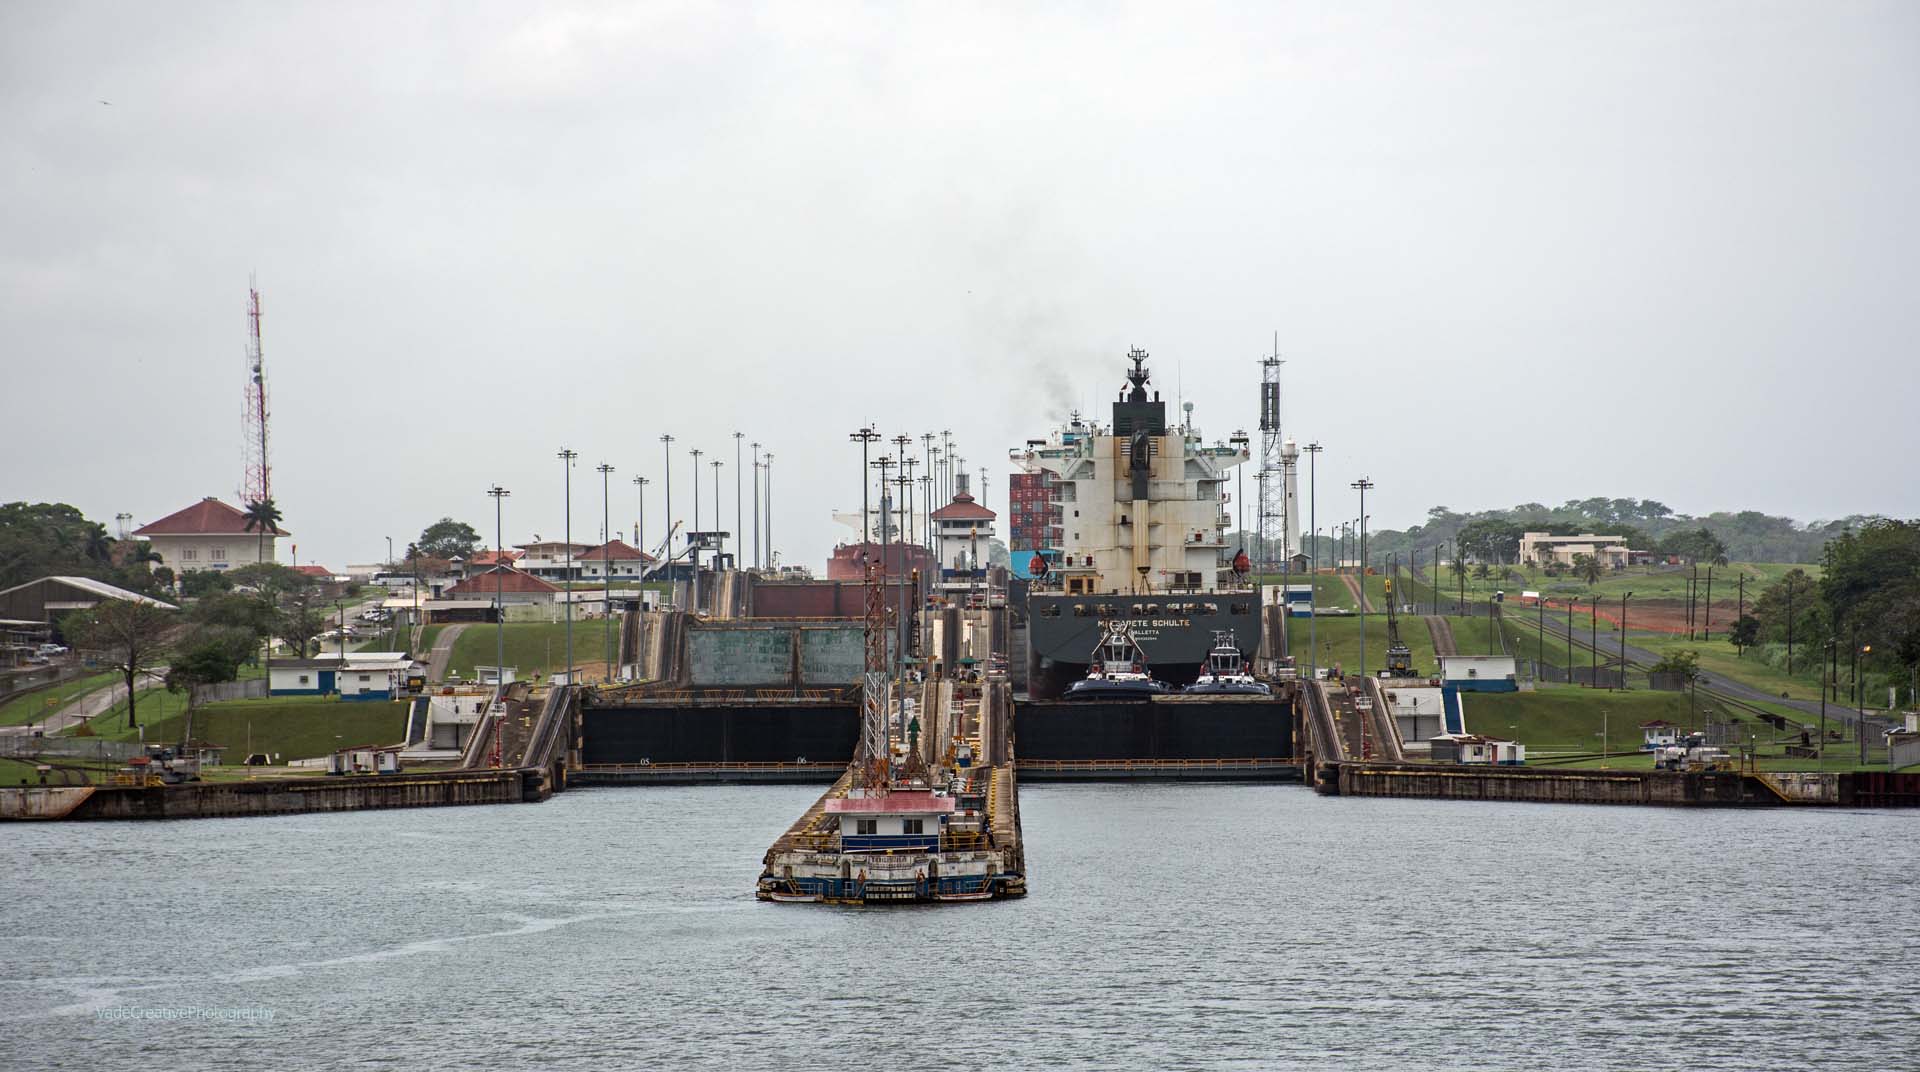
(606, 569)
(1623, 639)
(1706, 606)
(1573, 604)
(1741, 649)
(720, 546)
(766, 469)
(566, 462)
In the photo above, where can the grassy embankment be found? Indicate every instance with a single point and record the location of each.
(534, 647)
(288, 727)
(36, 706)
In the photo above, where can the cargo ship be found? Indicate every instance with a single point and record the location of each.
(928, 811)
(1143, 530)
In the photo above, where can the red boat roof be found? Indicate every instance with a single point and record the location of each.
(904, 802)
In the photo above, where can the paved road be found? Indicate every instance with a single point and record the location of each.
(87, 706)
(442, 652)
(1359, 597)
(1712, 684)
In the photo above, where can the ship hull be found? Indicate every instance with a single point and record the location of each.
(1062, 631)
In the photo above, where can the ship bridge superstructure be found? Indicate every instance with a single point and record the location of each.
(1142, 502)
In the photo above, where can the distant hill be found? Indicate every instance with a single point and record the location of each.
(1742, 536)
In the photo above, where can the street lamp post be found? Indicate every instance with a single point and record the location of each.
(498, 493)
(739, 476)
(693, 548)
(719, 548)
(757, 563)
(1313, 575)
(865, 437)
(766, 470)
(640, 521)
(606, 571)
(566, 461)
(667, 490)
(1362, 485)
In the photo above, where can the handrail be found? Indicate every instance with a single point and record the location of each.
(1130, 764)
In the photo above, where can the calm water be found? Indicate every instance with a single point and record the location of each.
(1169, 927)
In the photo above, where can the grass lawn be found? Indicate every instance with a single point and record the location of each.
(1338, 641)
(1645, 582)
(291, 727)
(36, 706)
(1718, 659)
(532, 646)
(1570, 719)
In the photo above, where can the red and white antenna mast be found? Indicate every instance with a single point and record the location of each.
(257, 487)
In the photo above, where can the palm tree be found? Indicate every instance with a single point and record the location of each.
(1588, 567)
(263, 517)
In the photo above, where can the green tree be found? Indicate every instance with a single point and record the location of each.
(1745, 632)
(132, 636)
(447, 538)
(205, 582)
(1796, 593)
(1684, 662)
(208, 658)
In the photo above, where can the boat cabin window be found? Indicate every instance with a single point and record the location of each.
(1236, 608)
(1079, 610)
(866, 827)
(913, 826)
(1209, 608)
(1153, 610)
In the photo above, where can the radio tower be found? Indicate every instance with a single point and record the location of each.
(257, 487)
(1273, 505)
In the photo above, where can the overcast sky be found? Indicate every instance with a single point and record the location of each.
(1513, 252)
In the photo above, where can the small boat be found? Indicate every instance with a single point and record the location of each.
(785, 897)
(1118, 671)
(1226, 672)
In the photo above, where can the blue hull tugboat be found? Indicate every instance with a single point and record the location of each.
(1119, 670)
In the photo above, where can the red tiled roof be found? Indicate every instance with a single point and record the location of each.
(498, 579)
(488, 558)
(314, 571)
(208, 517)
(961, 508)
(613, 550)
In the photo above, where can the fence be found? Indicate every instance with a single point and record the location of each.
(253, 689)
(69, 748)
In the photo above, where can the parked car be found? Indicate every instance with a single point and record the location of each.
(53, 651)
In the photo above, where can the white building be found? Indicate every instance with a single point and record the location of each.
(209, 535)
(1541, 548)
(962, 531)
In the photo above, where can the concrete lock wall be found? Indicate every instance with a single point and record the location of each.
(740, 657)
(832, 656)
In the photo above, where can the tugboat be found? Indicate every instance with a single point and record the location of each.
(928, 811)
(1226, 672)
(1119, 669)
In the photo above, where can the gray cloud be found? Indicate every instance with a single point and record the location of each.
(1513, 252)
